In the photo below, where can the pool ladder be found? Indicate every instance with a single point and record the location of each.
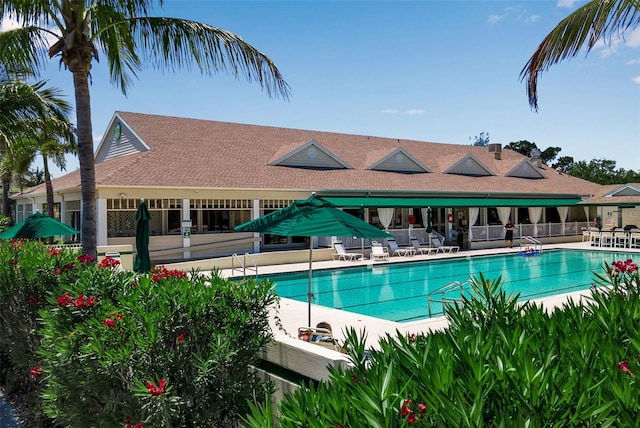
(444, 290)
(537, 245)
(243, 264)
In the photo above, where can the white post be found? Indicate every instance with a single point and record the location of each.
(101, 221)
(186, 228)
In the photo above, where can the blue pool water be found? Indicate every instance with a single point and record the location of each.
(398, 291)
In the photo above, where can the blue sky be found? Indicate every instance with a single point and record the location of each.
(441, 71)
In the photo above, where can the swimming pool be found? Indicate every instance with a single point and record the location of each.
(398, 291)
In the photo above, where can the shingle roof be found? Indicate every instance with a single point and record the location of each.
(197, 153)
(601, 198)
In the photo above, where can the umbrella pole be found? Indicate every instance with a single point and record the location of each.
(309, 293)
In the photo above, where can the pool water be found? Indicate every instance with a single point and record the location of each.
(398, 291)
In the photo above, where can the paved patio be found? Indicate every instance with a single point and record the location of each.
(293, 314)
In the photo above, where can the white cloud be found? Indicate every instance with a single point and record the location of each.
(633, 61)
(566, 3)
(390, 111)
(494, 19)
(636, 80)
(415, 111)
(8, 22)
(532, 19)
(633, 38)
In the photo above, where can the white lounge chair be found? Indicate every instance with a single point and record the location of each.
(378, 252)
(440, 247)
(419, 249)
(395, 250)
(341, 254)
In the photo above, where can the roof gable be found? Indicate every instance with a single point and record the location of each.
(311, 155)
(526, 169)
(119, 140)
(469, 165)
(400, 161)
(625, 190)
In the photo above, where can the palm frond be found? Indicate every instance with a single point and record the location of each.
(597, 20)
(171, 44)
(24, 49)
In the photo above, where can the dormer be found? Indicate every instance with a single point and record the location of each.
(400, 161)
(119, 140)
(526, 169)
(311, 155)
(625, 190)
(471, 166)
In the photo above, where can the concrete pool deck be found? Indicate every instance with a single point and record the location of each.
(293, 313)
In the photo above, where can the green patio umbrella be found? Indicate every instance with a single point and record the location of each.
(312, 217)
(38, 225)
(429, 225)
(142, 262)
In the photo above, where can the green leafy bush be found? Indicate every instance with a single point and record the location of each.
(102, 347)
(500, 363)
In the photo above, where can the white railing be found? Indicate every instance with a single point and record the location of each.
(544, 230)
(243, 264)
(480, 234)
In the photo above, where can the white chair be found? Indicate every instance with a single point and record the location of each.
(606, 239)
(395, 250)
(634, 239)
(419, 249)
(620, 239)
(586, 234)
(435, 240)
(341, 254)
(378, 252)
(595, 238)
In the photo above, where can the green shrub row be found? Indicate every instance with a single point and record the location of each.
(499, 364)
(91, 345)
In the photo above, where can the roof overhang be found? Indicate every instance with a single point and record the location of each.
(376, 202)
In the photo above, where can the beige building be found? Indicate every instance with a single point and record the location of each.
(202, 178)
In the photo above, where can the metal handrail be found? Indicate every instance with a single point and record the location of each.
(243, 264)
(537, 245)
(443, 291)
(254, 266)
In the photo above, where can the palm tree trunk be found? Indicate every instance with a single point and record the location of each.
(6, 208)
(49, 188)
(86, 160)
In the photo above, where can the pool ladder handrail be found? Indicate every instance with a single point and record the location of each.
(243, 264)
(537, 245)
(443, 292)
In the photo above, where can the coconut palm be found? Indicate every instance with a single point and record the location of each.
(596, 20)
(123, 31)
(32, 119)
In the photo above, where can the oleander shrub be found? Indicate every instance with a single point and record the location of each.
(96, 346)
(500, 363)
(29, 271)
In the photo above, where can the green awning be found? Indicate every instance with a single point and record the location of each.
(377, 202)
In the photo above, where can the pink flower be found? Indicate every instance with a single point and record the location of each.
(404, 410)
(65, 299)
(109, 322)
(53, 251)
(157, 390)
(129, 423)
(422, 408)
(85, 258)
(35, 372)
(623, 366)
(180, 339)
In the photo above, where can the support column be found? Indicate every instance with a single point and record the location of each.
(186, 228)
(254, 215)
(101, 221)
